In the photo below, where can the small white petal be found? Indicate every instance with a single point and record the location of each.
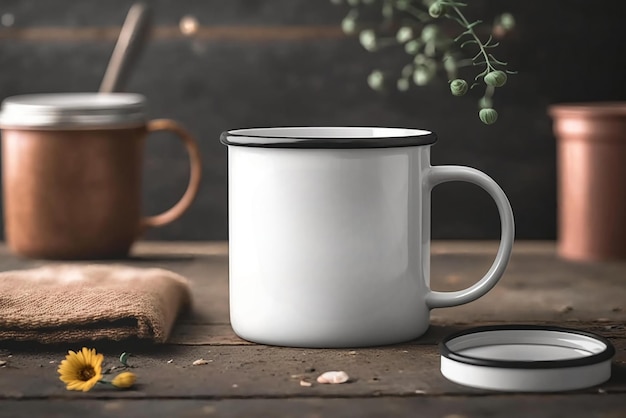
(200, 362)
(333, 377)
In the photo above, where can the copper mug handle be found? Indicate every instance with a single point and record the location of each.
(195, 165)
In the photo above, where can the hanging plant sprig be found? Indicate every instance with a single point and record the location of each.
(415, 26)
(491, 74)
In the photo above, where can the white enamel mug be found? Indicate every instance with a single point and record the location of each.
(329, 235)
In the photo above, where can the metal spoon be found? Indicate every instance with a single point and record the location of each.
(132, 37)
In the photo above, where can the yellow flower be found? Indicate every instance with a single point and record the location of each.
(124, 380)
(82, 370)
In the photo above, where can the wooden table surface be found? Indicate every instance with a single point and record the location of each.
(242, 379)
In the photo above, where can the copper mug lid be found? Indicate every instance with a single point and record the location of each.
(72, 110)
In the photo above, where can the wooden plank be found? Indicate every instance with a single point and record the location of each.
(152, 249)
(537, 286)
(243, 379)
(209, 334)
(256, 371)
(202, 334)
(438, 247)
(524, 406)
(490, 247)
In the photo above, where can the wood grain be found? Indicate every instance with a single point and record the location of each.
(523, 406)
(538, 287)
(246, 379)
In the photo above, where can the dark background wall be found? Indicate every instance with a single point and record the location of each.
(306, 72)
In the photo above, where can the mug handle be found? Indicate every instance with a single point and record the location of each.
(195, 165)
(443, 174)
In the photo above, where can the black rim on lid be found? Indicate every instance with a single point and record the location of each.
(594, 358)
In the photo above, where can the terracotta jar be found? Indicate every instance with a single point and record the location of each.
(591, 150)
(71, 166)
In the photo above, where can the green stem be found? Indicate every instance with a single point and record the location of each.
(430, 49)
(489, 91)
(476, 38)
(464, 63)
(417, 13)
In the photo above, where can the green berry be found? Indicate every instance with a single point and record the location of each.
(368, 40)
(404, 34)
(488, 116)
(507, 21)
(403, 4)
(348, 25)
(423, 75)
(430, 33)
(403, 84)
(376, 80)
(387, 11)
(436, 9)
(495, 78)
(412, 47)
(458, 87)
(407, 70)
(420, 58)
(423, 60)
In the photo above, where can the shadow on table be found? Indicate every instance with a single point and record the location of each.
(618, 374)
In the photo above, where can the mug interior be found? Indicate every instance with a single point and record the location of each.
(328, 132)
(328, 137)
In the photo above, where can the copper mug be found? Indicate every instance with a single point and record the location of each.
(72, 166)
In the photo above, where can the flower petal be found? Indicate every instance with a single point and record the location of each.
(73, 359)
(79, 358)
(68, 379)
(98, 359)
(90, 383)
(76, 385)
(87, 355)
(68, 371)
(69, 364)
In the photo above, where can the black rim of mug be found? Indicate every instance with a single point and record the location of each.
(267, 141)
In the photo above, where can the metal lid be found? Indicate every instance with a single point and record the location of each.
(332, 137)
(526, 358)
(72, 110)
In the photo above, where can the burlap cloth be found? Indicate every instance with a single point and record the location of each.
(74, 303)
